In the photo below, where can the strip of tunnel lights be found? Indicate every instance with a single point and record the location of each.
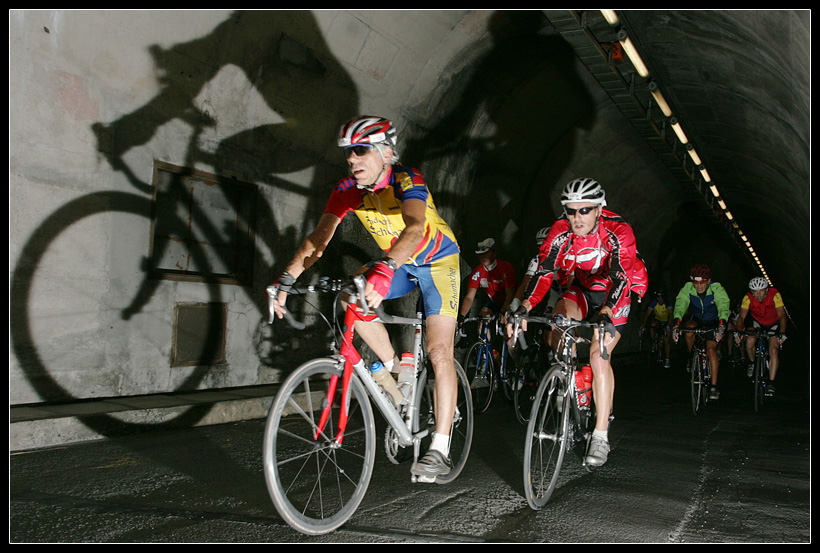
(637, 62)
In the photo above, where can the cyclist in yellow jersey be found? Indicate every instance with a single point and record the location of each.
(658, 315)
(396, 208)
(769, 313)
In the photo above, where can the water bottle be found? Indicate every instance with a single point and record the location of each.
(583, 383)
(406, 369)
(384, 379)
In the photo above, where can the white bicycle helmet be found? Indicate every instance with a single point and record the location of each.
(541, 235)
(367, 129)
(758, 283)
(583, 190)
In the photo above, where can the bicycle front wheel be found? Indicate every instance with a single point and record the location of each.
(461, 432)
(479, 368)
(760, 381)
(546, 441)
(315, 481)
(696, 381)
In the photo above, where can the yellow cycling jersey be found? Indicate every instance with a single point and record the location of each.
(380, 213)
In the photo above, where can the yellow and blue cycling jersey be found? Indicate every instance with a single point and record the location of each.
(661, 310)
(435, 262)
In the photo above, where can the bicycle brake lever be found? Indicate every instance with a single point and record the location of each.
(271, 292)
(360, 282)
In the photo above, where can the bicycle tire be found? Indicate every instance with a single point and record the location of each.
(546, 440)
(302, 470)
(696, 381)
(479, 368)
(759, 382)
(530, 373)
(461, 434)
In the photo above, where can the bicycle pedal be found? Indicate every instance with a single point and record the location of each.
(423, 479)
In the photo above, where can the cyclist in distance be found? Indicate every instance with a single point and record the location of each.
(658, 314)
(709, 307)
(494, 276)
(592, 252)
(393, 203)
(768, 313)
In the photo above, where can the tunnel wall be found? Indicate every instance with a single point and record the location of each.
(495, 112)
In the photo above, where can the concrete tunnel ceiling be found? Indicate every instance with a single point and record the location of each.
(738, 83)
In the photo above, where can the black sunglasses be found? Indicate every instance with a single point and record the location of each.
(359, 150)
(583, 211)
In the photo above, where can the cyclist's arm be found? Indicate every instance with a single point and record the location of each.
(308, 253)
(722, 301)
(681, 303)
(314, 245)
(781, 312)
(467, 302)
(741, 319)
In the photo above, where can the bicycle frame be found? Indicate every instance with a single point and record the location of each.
(354, 364)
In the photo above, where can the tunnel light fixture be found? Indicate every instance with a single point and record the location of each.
(632, 53)
(659, 99)
(679, 130)
(693, 154)
(722, 204)
(705, 174)
(713, 189)
(610, 16)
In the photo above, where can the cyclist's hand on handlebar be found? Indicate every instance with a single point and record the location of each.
(278, 293)
(379, 275)
(518, 314)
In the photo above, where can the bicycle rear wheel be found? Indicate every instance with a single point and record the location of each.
(530, 372)
(759, 381)
(316, 484)
(461, 433)
(546, 441)
(479, 368)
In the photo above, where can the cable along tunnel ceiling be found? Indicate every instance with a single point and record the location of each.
(738, 83)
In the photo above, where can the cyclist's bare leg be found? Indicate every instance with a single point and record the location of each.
(377, 339)
(440, 348)
(774, 356)
(711, 352)
(689, 336)
(603, 380)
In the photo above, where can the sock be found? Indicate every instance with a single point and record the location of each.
(601, 434)
(389, 365)
(441, 443)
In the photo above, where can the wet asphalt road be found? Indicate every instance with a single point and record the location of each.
(726, 475)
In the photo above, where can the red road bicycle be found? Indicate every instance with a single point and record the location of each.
(320, 435)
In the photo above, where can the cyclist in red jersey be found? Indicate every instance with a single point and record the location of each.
(592, 252)
(769, 313)
(395, 206)
(493, 275)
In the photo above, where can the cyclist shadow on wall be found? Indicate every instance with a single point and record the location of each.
(284, 57)
(508, 132)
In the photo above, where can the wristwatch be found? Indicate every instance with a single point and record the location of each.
(390, 262)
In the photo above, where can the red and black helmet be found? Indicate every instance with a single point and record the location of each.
(700, 272)
(367, 129)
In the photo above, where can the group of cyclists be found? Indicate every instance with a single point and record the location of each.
(587, 262)
(703, 303)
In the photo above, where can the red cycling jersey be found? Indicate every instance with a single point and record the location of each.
(602, 261)
(494, 281)
(764, 312)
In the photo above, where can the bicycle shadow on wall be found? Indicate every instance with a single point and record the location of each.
(284, 57)
(508, 131)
